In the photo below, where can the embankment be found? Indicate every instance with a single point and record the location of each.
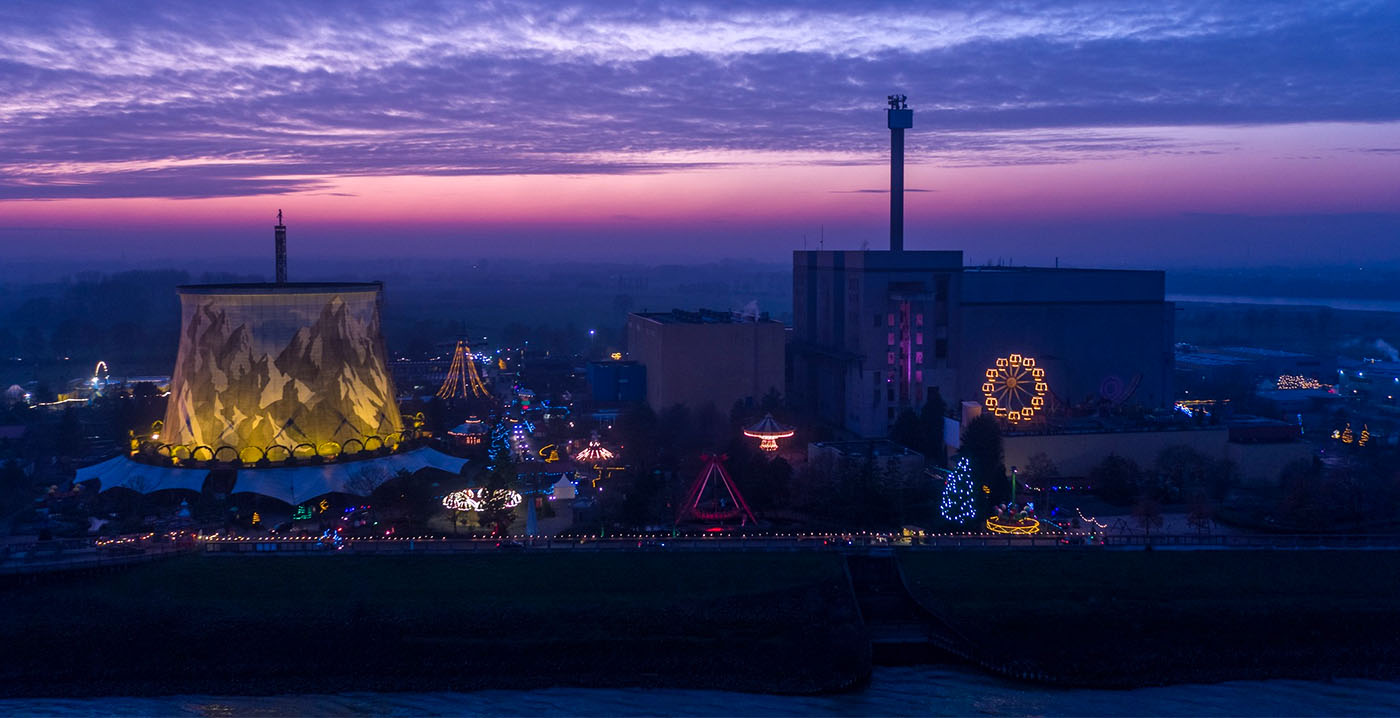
(273, 624)
(1134, 618)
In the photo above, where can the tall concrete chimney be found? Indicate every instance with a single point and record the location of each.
(900, 118)
(279, 234)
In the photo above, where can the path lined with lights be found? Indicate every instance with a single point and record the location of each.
(854, 542)
(38, 559)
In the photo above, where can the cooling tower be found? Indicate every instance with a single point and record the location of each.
(274, 370)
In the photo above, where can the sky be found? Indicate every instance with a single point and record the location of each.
(1168, 133)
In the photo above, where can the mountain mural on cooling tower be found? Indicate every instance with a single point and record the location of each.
(238, 382)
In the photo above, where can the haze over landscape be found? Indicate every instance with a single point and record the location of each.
(699, 357)
(1181, 134)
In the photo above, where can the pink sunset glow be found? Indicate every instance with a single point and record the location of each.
(688, 134)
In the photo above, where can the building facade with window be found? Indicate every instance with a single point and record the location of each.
(876, 332)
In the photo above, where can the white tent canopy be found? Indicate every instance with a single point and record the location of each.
(297, 484)
(292, 484)
(121, 471)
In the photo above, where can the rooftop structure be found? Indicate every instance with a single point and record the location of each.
(279, 239)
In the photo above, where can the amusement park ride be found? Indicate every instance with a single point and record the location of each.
(714, 498)
(595, 453)
(768, 431)
(1015, 388)
(462, 380)
(1012, 519)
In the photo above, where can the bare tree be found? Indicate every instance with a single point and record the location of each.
(367, 479)
(1148, 514)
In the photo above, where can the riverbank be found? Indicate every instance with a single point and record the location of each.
(770, 622)
(323, 624)
(1141, 618)
(892, 691)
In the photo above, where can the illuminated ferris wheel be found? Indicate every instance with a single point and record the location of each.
(1015, 388)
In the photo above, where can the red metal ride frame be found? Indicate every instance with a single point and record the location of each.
(690, 508)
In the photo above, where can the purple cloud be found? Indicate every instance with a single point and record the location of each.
(177, 100)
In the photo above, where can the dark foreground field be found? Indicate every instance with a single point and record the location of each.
(757, 622)
(1142, 618)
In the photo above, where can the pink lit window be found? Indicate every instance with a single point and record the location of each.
(890, 339)
(918, 357)
(918, 337)
(919, 376)
(918, 320)
(891, 320)
(890, 356)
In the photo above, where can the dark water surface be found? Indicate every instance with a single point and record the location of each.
(921, 690)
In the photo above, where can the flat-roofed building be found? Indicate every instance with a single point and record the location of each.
(877, 332)
(707, 357)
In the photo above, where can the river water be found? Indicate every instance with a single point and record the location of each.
(920, 690)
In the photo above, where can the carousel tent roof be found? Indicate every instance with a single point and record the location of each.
(292, 484)
(768, 426)
(121, 471)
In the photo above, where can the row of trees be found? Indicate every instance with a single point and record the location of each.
(1179, 473)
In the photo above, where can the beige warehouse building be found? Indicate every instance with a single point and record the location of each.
(707, 357)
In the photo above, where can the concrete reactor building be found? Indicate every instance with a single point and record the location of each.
(877, 332)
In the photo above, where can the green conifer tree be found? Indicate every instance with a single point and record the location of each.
(959, 503)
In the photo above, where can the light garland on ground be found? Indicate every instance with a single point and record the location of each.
(1298, 381)
(474, 499)
(1089, 519)
(1021, 527)
(888, 536)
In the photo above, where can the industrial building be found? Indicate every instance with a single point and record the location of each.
(877, 332)
(617, 381)
(286, 385)
(707, 357)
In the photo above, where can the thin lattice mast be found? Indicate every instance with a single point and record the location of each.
(462, 378)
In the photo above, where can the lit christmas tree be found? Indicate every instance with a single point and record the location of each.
(959, 503)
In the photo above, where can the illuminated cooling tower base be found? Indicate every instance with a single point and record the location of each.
(268, 372)
(287, 384)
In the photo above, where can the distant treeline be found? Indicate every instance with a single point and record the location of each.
(1375, 281)
(1320, 331)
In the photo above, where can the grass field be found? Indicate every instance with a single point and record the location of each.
(1133, 618)
(273, 624)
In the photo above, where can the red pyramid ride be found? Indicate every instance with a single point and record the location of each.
(706, 500)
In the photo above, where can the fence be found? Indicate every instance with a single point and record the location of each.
(836, 543)
(54, 557)
(61, 557)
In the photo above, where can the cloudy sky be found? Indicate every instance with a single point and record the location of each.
(1165, 133)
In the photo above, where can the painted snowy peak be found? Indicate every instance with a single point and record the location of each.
(259, 370)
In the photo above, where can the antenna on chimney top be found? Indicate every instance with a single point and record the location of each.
(900, 118)
(279, 235)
